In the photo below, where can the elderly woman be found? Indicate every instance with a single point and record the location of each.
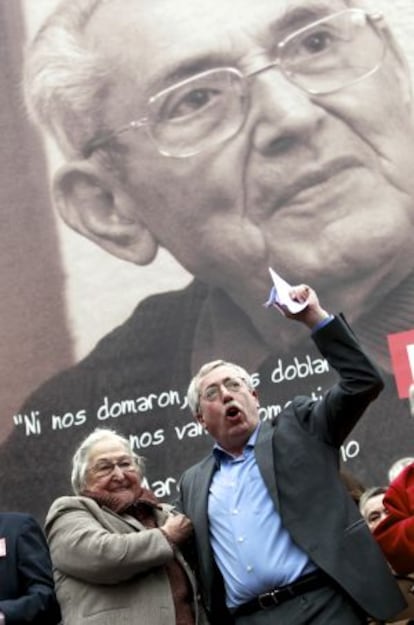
(114, 547)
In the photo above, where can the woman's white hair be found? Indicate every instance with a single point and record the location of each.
(80, 459)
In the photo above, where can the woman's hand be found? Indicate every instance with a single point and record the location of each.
(177, 528)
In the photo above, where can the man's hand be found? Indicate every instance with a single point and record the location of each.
(177, 528)
(313, 313)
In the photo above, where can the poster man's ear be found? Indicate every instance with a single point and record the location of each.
(92, 202)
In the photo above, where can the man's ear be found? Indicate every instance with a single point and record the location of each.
(200, 419)
(92, 202)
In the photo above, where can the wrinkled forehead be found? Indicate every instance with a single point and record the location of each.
(157, 34)
(173, 21)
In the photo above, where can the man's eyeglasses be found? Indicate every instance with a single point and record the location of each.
(211, 393)
(106, 467)
(325, 56)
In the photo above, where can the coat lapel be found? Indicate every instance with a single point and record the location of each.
(263, 450)
(199, 506)
(206, 475)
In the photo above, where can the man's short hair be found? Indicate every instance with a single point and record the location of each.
(368, 494)
(193, 393)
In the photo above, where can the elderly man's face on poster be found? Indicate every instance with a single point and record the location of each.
(233, 136)
(320, 154)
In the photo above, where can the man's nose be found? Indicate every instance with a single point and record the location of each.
(281, 113)
(225, 393)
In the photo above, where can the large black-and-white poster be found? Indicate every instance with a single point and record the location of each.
(181, 152)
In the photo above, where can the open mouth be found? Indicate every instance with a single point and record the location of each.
(232, 412)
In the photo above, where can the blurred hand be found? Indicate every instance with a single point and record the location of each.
(178, 528)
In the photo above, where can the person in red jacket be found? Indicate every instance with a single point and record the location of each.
(395, 533)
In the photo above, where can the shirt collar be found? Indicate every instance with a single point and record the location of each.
(220, 453)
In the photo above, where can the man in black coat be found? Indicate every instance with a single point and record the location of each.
(27, 592)
(278, 538)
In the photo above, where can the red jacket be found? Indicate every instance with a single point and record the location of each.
(395, 533)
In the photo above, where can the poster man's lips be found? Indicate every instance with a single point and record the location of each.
(313, 178)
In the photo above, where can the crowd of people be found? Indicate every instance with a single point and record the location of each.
(116, 550)
(246, 543)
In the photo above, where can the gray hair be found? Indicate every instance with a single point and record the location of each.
(397, 466)
(80, 459)
(368, 494)
(193, 393)
(64, 80)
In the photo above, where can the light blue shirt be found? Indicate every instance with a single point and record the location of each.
(252, 549)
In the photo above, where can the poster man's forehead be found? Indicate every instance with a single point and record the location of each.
(174, 38)
(171, 21)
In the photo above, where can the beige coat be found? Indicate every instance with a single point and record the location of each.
(108, 568)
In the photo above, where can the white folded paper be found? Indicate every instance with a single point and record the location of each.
(279, 295)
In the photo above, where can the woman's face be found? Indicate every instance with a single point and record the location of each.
(112, 472)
